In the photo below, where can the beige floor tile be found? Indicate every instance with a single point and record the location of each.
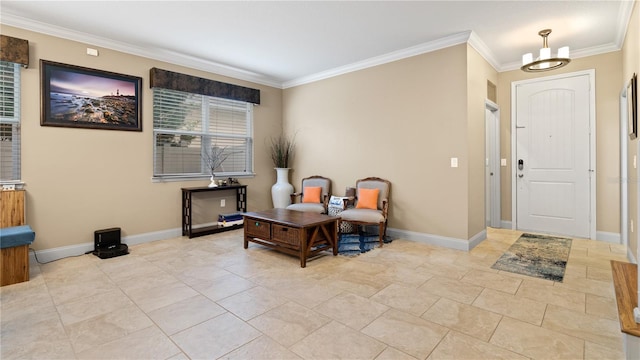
(85, 308)
(602, 307)
(407, 299)
(596, 273)
(185, 313)
(253, 302)
(535, 342)
(524, 309)
(337, 341)
(359, 283)
(492, 281)
(549, 294)
(403, 275)
(261, 348)
(148, 343)
(161, 296)
(98, 330)
(598, 352)
(452, 289)
(588, 327)
(452, 271)
(352, 310)
(223, 287)
(393, 354)
(34, 335)
(289, 323)
(147, 281)
(215, 337)
(594, 287)
(463, 318)
(456, 346)
(407, 333)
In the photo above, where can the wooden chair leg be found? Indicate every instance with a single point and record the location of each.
(381, 233)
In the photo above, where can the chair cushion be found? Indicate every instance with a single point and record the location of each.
(16, 236)
(362, 215)
(311, 194)
(368, 199)
(308, 207)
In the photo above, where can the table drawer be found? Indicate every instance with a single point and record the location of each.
(286, 235)
(259, 229)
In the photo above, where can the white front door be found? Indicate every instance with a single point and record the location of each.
(553, 174)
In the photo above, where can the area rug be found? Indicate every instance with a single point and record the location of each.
(539, 256)
(354, 244)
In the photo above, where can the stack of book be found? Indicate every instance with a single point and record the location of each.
(230, 219)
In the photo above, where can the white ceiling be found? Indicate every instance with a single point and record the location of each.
(283, 44)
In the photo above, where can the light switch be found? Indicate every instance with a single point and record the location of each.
(503, 162)
(223, 203)
(454, 162)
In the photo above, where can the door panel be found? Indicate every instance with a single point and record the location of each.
(552, 134)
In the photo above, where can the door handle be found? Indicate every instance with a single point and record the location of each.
(520, 175)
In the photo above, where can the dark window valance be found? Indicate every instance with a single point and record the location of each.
(175, 81)
(14, 50)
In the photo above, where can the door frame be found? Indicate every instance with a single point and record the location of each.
(592, 144)
(492, 141)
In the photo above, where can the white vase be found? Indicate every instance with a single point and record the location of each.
(213, 182)
(281, 191)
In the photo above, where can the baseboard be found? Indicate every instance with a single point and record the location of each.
(49, 255)
(505, 224)
(630, 256)
(609, 237)
(437, 240)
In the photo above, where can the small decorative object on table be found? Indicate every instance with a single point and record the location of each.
(214, 159)
(282, 153)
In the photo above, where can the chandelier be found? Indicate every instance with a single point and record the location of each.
(545, 62)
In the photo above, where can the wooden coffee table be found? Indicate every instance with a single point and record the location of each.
(292, 232)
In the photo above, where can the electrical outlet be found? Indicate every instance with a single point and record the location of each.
(454, 162)
(503, 162)
(222, 203)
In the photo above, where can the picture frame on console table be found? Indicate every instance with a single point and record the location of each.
(80, 97)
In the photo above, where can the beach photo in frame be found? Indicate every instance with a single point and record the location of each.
(74, 96)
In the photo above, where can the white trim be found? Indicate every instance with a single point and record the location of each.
(80, 249)
(151, 53)
(430, 46)
(437, 240)
(624, 166)
(592, 141)
(484, 51)
(505, 224)
(624, 17)
(613, 238)
(630, 256)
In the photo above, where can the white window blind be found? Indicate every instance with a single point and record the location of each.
(188, 128)
(9, 121)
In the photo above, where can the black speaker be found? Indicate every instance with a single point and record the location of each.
(107, 243)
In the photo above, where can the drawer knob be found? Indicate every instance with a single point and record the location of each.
(257, 223)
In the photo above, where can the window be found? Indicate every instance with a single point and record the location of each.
(9, 122)
(188, 128)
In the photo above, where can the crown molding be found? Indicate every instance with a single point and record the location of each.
(430, 46)
(483, 50)
(156, 54)
(624, 17)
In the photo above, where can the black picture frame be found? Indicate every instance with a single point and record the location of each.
(632, 105)
(80, 97)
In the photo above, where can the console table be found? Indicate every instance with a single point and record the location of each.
(187, 226)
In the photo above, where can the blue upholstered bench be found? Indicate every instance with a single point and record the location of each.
(14, 248)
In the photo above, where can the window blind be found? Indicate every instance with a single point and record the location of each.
(9, 121)
(189, 128)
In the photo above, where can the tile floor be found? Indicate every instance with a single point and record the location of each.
(208, 298)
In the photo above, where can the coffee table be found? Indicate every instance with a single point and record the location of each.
(292, 232)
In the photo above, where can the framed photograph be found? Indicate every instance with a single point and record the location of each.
(74, 96)
(632, 104)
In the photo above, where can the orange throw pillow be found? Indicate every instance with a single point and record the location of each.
(311, 194)
(368, 199)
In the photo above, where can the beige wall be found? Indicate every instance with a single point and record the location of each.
(478, 72)
(608, 85)
(402, 121)
(81, 180)
(631, 65)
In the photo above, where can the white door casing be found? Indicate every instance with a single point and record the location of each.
(492, 164)
(553, 133)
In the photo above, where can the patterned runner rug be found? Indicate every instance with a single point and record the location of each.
(539, 256)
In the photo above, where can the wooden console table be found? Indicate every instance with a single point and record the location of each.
(300, 233)
(187, 226)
